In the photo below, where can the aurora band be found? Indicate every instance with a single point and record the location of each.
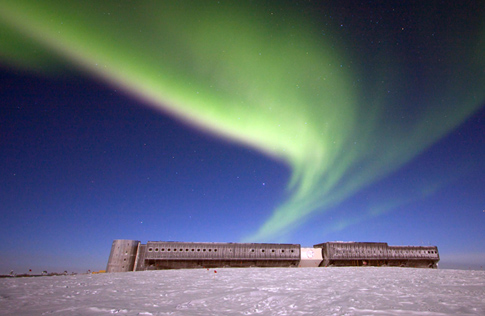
(260, 76)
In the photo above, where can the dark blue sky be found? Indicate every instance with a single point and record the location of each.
(83, 161)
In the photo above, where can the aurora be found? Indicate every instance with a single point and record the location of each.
(284, 82)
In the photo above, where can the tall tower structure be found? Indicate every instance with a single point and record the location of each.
(123, 255)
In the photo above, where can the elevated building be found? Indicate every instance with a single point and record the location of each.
(378, 254)
(131, 255)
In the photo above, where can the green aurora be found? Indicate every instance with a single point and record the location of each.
(267, 77)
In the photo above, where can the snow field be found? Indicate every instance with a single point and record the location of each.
(250, 291)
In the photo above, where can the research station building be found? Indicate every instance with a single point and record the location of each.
(132, 255)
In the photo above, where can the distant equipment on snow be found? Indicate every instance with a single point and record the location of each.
(131, 255)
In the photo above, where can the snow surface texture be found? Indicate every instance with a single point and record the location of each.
(275, 291)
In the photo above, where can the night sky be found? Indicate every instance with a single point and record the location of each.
(240, 121)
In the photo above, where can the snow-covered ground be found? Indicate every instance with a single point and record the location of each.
(276, 291)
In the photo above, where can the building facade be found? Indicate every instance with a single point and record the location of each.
(131, 255)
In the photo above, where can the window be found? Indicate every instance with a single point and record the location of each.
(292, 250)
(282, 250)
(272, 250)
(193, 249)
(174, 249)
(210, 250)
(124, 259)
(203, 249)
(168, 249)
(252, 250)
(215, 250)
(198, 249)
(181, 249)
(262, 250)
(156, 249)
(163, 249)
(187, 249)
(150, 249)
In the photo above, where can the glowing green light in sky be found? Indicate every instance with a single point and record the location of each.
(259, 75)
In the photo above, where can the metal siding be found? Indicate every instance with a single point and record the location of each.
(141, 258)
(224, 253)
(355, 253)
(122, 256)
